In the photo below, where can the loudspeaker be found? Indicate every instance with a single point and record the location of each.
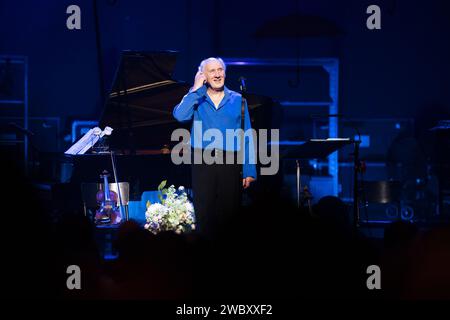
(386, 212)
(44, 132)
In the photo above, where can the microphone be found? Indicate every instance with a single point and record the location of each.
(242, 84)
(21, 129)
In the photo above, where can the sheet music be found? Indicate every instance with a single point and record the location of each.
(90, 143)
(85, 143)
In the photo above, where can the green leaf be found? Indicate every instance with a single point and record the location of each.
(160, 198)
(162, 184)
(148, 204)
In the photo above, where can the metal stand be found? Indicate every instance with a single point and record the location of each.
(302, 193)
(298, 183)
(312, 149)
(356, 170)
(118, 188)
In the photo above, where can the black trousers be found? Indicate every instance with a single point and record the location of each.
(217, 194)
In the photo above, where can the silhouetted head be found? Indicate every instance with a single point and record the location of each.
(332, 210)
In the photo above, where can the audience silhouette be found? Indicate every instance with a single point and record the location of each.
(268, 250)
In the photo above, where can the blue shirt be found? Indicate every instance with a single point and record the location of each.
(198, 106)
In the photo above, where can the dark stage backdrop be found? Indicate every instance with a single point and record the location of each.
(401, 70)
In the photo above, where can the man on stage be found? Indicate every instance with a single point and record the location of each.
(217, 186)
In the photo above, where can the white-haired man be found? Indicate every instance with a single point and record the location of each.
(209, 104)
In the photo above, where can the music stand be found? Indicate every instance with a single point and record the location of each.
(313, 149)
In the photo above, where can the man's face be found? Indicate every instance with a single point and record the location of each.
(215, 74)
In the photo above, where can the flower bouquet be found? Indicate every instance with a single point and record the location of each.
(175, 212)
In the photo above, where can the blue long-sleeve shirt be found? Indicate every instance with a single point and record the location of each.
(197, 106)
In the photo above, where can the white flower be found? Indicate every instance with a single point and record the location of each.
(189, 207)
(175, 213)
(156, 209)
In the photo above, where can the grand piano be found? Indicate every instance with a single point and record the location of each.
(139, 109)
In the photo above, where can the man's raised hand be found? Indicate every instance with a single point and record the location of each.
(199, 80)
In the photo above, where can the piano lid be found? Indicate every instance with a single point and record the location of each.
(139, 106)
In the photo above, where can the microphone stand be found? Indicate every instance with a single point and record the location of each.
(118, 187)
(303, 194)
(298, 183)
(242, 144)
(356, 170)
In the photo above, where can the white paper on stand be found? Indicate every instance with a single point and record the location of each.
(82, 145)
